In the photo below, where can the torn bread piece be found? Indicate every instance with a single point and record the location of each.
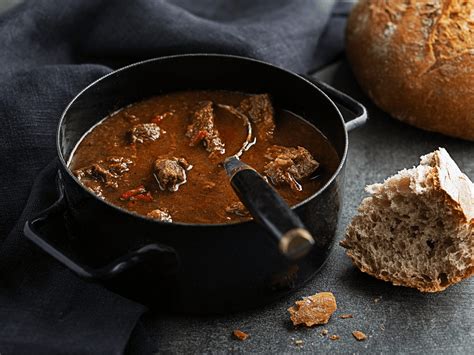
(312, 310)
(417, 228)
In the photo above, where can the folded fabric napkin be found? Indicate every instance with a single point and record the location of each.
(50, 49)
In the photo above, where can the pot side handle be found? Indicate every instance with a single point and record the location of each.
(33, 231)
(350, 104)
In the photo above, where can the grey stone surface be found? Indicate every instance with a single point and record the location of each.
(396, 319)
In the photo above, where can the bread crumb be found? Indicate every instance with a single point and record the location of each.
(238, 334)
(315, 309)
(382, 327)
(324, 332)
(345, 316)
(298, 342)
(359, 335)
(334, 337)
(377, 299)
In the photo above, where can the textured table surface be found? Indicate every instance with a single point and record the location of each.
(396, 320)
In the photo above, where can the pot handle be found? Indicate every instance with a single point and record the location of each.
(350, 104)
(148, 252)
(269, 209)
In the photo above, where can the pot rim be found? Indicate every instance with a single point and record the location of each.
(171, 57)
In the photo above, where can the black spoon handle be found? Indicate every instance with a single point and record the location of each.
(269, 209)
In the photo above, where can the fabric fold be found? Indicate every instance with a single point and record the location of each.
(50, 50)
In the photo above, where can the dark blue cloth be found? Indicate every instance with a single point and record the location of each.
(49, 50)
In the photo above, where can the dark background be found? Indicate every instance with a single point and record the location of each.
(396, 319)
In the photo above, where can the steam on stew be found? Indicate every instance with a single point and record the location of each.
(162, 157)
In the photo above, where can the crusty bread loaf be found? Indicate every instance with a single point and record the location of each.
(417, 228)
(415, 59)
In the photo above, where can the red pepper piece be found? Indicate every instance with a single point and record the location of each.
(146, 197)
(127, 195)
(158, 118)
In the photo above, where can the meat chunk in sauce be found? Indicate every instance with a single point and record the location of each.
(104, 171)
(207, 196)
(144, 132)
(202, 129)
(160, 215)
(260, 110)
(238, 209)
(170, 173)
(289, 165)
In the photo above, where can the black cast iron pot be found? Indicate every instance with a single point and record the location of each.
(190, 267)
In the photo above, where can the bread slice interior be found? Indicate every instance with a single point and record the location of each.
(417, 228)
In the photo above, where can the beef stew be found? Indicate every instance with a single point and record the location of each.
(162, 157)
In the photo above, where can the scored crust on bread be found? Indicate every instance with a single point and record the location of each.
(415, 59)
(417, 228)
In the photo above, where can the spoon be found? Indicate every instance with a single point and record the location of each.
(263, 202)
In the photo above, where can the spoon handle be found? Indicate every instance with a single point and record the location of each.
(269, 209)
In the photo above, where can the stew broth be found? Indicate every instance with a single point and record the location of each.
(205, 196)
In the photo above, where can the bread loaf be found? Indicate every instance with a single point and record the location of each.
(417, 228)
(415, 59)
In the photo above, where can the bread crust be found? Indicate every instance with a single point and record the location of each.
(415, 59)
(447, 184)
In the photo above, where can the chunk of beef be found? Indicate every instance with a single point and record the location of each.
(143, 132)
(289, 165)
(117, 166)
(94, 172)
(160, 215)
(104, 171)
(202, 129)
(238, 209)
(260, 110)
(170, 173)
